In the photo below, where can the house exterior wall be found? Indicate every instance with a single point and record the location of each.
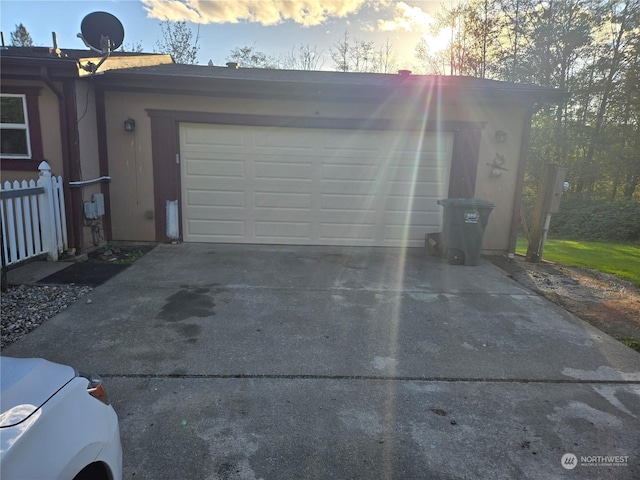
(50, 128)
(131, 163)
(52, 151)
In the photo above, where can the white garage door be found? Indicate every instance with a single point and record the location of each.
(300, 186)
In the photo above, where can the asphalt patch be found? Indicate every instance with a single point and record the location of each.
(84, 273)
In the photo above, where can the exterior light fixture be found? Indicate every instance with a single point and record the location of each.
(130, 125)
(501, 136)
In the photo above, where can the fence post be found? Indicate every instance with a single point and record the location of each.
(47, 213)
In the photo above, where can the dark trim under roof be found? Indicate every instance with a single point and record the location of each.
(224, 81)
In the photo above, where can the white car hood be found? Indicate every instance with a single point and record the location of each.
(26, 384)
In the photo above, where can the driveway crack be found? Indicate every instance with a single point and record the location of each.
(369, 378)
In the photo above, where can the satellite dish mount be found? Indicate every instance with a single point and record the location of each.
(103, 33)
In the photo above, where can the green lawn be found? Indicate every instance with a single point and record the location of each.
(621, 259)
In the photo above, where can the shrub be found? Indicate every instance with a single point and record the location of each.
(595, 220)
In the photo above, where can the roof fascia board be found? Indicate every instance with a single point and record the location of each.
(31, 67)
(257, 89)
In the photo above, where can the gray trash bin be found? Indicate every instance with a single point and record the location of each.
(463, 227)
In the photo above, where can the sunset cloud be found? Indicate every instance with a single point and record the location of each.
(407, 18)
(265, 12)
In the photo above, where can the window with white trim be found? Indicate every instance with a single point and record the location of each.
(14, 125)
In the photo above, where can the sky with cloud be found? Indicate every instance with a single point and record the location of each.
(273, 26)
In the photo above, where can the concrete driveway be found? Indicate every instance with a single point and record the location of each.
(263, 362)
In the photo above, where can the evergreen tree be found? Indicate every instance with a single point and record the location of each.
(20, 37)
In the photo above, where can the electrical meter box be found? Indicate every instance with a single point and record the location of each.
(94, 208)
(98, 199)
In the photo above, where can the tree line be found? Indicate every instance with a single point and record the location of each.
(590, 48)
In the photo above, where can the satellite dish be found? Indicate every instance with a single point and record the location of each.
(101, 31)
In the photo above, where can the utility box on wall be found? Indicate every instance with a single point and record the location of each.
(94, 208)
(98, 199)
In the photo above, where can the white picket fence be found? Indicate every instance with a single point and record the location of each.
(33, 218)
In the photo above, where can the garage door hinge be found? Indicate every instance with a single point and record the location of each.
(178, 158)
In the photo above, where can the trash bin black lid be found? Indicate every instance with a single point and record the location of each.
(465, 202)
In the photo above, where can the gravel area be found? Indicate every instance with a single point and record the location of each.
(25, 307)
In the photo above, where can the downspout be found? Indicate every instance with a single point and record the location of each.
(522, 163)
(73, 198)
(44, 74)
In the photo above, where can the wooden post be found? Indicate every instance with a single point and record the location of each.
(547, 202)
(47, 212)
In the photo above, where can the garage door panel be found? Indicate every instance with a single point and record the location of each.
(348, 202)
(304, 186)
(283, 170)
(279, 186)
(208, 183)
(300, 141)
(336, 158)
(430, 189)
(341, 231)
(350, 172)
(420, 174)
(282, 200)
(201, 213)
(281, 214)
(225, 138)
(404, 203)
(411, 218)
(282, 230)
(227, 228)
(353, 187)
(216, 198)
(341, 217)
(349, 143)
(215, 168)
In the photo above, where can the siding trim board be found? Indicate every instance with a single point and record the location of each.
(307, 122)
(166, 171)
(103, 159)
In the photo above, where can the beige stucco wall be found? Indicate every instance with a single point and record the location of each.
(130, 158)
(501, 190)
(130, 168)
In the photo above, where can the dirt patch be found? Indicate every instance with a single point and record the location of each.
(119, 254)
(605, 301)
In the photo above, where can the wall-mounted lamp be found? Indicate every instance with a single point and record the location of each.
(501, 136)
(130, 125)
